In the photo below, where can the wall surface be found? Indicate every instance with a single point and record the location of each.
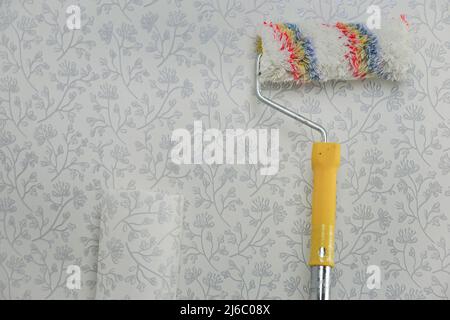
(93, 109)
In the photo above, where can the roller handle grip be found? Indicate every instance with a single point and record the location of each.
(325, 163)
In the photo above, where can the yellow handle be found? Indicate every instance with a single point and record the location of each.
(325, 163)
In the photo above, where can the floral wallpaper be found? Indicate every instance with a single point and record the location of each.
(138, 255)
(86, 118)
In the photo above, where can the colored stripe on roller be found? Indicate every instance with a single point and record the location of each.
(364, 54)
(301, 56)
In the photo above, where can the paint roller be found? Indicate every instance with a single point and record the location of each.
(295, 54)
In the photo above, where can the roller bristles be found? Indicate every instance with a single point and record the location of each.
(341, 51)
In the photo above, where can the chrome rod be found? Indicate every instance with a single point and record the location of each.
(320, 283)
(284, 110)
(320, 275)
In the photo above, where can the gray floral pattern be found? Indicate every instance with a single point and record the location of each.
(138, 255)
(83, 111)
